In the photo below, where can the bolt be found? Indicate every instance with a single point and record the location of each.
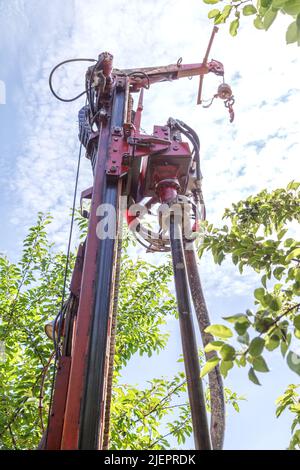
(175, 147)
(116, 139)
(179, 265)
(125, 159)
(113, 169)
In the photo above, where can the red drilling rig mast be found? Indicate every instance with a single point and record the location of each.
(146, 170)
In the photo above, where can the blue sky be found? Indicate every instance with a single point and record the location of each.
(38, 140)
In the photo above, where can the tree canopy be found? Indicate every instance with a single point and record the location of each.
(153, 416)
(261, 235)
(263, 12)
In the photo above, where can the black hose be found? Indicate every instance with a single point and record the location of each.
(67, 100)
(189, 344)
(193, 138)
(140, 73)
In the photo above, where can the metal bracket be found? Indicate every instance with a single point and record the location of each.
(86, 194)
(115, 153)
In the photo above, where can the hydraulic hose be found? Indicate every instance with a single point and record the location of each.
(66, 100)
(193, 138)
(188, 338)
(217, 425)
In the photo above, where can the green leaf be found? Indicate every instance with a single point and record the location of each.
(297, 322)
(209, 365)
(258, 23)
(294, 254)
(265, 3)
(272, 342)
(274, 303)
(263, 324)
(213, 13)
(293, 361)
(264, 281)
(211, 2)
(278, 3)
(225, 366)
(249, 10)
(269, 18)
(292, 7)
(259, 293)
(242, 361)
(234, 26)
(256, 346)
(220, 331)
(234, 318)
(252, 376)
(227, 352)
(260, 364)
(277, 273)
(226, 12)
(289, 242)
(213, 346)
(291, 35)
(281, 234)
(293, 185)
(297, 333)
(236, 406)
(283, 347)
(244, 339)
(241, 326)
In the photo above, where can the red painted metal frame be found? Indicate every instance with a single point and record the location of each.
(72, 387)
(55, 428)
(172, 72)
(75, 284)
(78, 367)
(162, 153)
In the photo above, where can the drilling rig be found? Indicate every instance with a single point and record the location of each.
(162, 170)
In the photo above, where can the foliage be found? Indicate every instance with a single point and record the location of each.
(147, 418)
(259, 237)
(137, 414)
(291, 400)
(264, 12)
(30, 295)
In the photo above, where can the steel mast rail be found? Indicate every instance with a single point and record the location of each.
(189, 344)
(143, 168)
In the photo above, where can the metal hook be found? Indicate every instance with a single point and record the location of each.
(179, 62)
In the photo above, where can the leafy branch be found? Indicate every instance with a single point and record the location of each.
(265, 11)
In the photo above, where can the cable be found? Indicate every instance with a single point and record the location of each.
(67, 100)
(88, 90)
(194, 139)
(140, 72)
(64, 283)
